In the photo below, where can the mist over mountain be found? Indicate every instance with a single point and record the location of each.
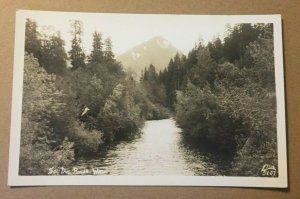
(157, 51)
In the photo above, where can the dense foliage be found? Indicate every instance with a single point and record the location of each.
(154, 97)
(71, 111)
(231, 103)
(222, 93)
(41, 145)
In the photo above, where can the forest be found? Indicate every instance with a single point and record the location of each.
(222, 93)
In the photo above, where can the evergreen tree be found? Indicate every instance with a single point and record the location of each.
(97, 52)
(77, 54)
(171, 84)
(32, 41)
(108, 54)
(174, 78)
(177, 71)
(53, 56)
(204, 72)
(237, 40)
(153, 99)
(216, 49)
(142, 76)
(150, 74)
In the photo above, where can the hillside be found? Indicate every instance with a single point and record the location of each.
(157, 51)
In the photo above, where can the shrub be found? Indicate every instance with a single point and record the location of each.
(85, 141)
(41, 146)
(120, 116)
(200, 115)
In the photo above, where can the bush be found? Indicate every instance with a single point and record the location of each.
(86, 141)
(199, 114)
(38, 158)
(41, 146)
(120, 116)
(256, 108)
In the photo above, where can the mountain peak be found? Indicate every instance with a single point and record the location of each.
(159, 40)
(157, 51)
(158, 37)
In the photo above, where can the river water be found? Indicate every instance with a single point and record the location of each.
(159, 150)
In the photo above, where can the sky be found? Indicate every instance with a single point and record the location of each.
(129, 30)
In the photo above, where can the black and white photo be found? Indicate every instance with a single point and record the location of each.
(148, 99)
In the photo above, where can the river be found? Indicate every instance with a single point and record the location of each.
(159, 150)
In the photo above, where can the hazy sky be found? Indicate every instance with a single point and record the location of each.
(129, 30)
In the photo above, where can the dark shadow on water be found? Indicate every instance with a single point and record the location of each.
(206, 158)
(106, 155)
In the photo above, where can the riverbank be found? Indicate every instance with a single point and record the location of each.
(159, 150)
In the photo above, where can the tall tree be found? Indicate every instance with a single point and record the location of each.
(77, 54)
(32, 41)
(150, 74)
(216, 49)
(177, 68)
(54, 56)
(204, 72)
(97, 52)
(171, 84)
(262, 54)
(237, 40)
(108, 54)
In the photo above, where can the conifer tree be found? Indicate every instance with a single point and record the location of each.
(54, 56)
(77, 54)
(32, 41)
(97, 52)
(108, 54)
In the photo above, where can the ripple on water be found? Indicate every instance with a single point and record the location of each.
(158, 151)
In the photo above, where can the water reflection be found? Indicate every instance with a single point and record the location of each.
(204, 160)
(160, 150)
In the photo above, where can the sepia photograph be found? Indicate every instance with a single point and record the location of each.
(148, 99)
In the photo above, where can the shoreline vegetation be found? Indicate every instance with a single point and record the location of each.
(222, 93)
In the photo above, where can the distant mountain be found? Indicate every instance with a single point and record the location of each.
(157, 51)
